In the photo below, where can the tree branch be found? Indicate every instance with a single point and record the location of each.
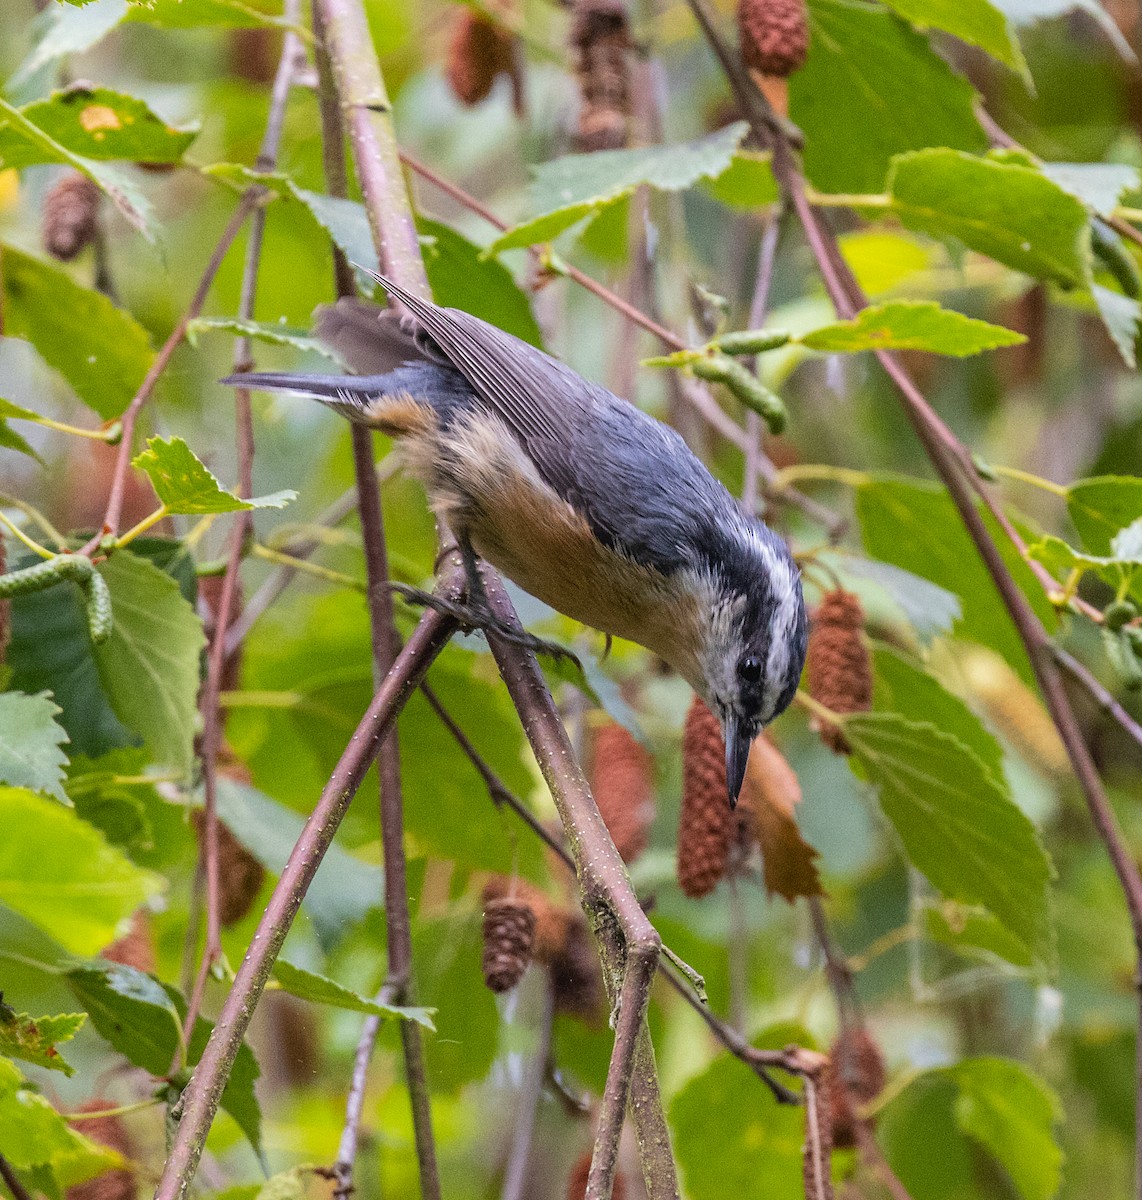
(530, 1094)
(199, 1102)
(351, 81)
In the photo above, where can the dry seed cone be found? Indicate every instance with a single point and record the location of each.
(136, 948)
(707, 825)
(622, 784)
(118, 1184)
(509, 938)
(600, 38)
(855, 1075)
(774, 35)
(840, 669)
(479, 50)
(240, 874)
(70, 217)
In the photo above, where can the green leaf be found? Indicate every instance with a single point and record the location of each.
(194, 14)
(911, 325)
(259, 331)
(8, 409)
(915, 525)
(11, 440)
(107, 792)
(61, 874)
(30, 740)
(1098, 185)
(141, 1018)
(317, 989)
(957, 822)
(345, 221)
(184, 485)
(931, 609)
(97, 123)
(971, 930)
(131, 1011)
(101, 350)
(977, 22)
(1061, 559)
(1026, 12)
(883, 259)
(872, 88)
(35, 1135)
(757, 1151)
(1009, 212)
(1012, 1114)
(461, 276)
(51, 651)
(121, 190)
(150, 664)
(1103, 505)
(1120, 314)
(342, 891)
(570, 188)
(903, 687)
(69, 30)
(34, 1039)
(746, 183)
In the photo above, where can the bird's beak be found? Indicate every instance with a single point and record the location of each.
(738, 742)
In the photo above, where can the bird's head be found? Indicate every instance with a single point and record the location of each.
(755, 641)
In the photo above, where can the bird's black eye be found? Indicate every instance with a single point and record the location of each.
(750, 668)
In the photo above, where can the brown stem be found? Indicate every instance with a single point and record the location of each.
(199, 1102)
(249, 201)
(628, 943)
(351, 79)
(292, 52)
(874, 1156)
(952, 461)
(12, 1181)
(1102, 697)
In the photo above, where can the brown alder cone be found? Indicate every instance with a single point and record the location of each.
(5, 609)
(577, 1180)
(118, 1184)
(478, 51)
(136, 948)
(600, 38)
(774, 35)
(240, 874)
(509, 938)
(70, 216)
(707, 825)
(856, 1073)
(766, 809)
(840, 669)
(622, 784)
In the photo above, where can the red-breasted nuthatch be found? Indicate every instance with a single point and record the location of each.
(587, 503)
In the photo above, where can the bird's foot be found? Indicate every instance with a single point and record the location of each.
(477, 616)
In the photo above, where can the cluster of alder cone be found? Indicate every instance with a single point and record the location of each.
(774, 37)
(523, 924)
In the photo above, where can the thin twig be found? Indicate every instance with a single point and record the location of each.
(351, 83)
(292, 51)
(1102, 697)
(628, 943)
(199, 1102)
(759, 307)
(527, 1102)
(874, 1156)
(250, 200)
(12, 1181)
(953, 463)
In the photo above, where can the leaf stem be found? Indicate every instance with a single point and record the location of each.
(1038, 481)
(306, 567)
(799, 472)
(847, 199)
(146, 523)
(17, 532)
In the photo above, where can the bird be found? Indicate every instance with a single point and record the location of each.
(579, 497)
